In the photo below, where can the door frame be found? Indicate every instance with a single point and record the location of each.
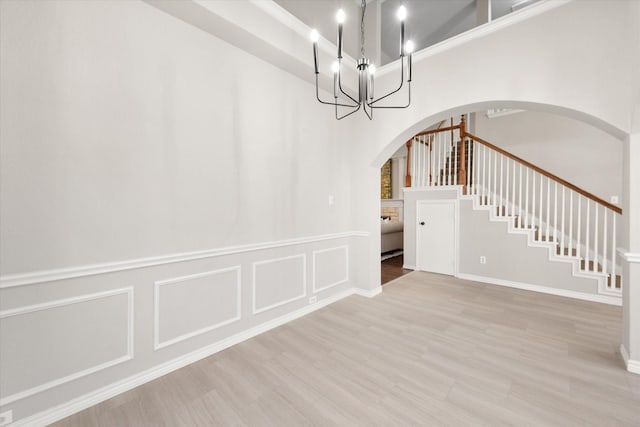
(456, 231)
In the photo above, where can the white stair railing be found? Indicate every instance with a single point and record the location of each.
(574, 223)
(434, 157)
(580, 225)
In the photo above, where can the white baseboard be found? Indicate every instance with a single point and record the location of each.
(632, 365)
(368, 293)
(409, 267)
(625, 354)
(93, 398)
(605, 299)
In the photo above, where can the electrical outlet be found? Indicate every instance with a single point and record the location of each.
(6, 418)
(332, 200)
(313, 300)
(483, 259)
(614, 200)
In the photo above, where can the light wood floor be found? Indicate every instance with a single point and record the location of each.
(430, 350)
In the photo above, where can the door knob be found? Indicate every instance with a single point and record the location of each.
(421, 222)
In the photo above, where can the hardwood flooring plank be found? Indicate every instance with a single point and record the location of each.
(430, 350)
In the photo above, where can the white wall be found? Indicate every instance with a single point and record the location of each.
(575, 151)
(552, 61)
(163, 194)
(555, 59)
(128, 143)
(630, 252)
(509, 259)
(556, 62)
(128, 134)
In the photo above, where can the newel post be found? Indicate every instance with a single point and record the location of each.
(462, 172)
(407, 177)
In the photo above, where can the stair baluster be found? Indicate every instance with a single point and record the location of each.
(604, 241)
(586, 256)
(562, 223)
(570, 223)
(499, 181)
(595, 239)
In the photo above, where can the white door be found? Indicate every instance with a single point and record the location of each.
(436, 237)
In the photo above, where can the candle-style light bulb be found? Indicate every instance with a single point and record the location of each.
(408, 47)
(314, 36)
(335, 67)
(372, 71)
(340, 18)
(402, 13)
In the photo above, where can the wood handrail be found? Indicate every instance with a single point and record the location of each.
(433, 131)
(545, 173)
(429, 132)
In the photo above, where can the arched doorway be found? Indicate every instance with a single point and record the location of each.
(547, 117)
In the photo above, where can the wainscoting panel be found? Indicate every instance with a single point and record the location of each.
(68, 334)
(279, 281)
(330, 268)
(192, 305)
(49, 344)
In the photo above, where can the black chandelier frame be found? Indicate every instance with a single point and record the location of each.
(365, 99)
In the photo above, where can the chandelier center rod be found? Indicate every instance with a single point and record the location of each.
(364, 9)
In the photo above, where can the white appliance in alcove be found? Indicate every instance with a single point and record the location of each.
(436, 236)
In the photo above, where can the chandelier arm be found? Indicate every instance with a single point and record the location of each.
(329, 103)
(368, 113)
(395, 107)
(348, 114)
(343, 92)
(395, 91)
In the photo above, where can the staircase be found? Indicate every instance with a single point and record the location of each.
(574, 225)
(453, 160)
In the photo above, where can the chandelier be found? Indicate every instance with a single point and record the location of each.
(346, 104)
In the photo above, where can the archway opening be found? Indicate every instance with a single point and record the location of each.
(595, 142)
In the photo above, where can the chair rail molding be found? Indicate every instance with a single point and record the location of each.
(633, 257)
(30, 278)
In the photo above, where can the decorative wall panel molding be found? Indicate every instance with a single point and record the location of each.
(57, 413)
(330, 267)
(215, 295)
(278, 281)
(13, 330)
